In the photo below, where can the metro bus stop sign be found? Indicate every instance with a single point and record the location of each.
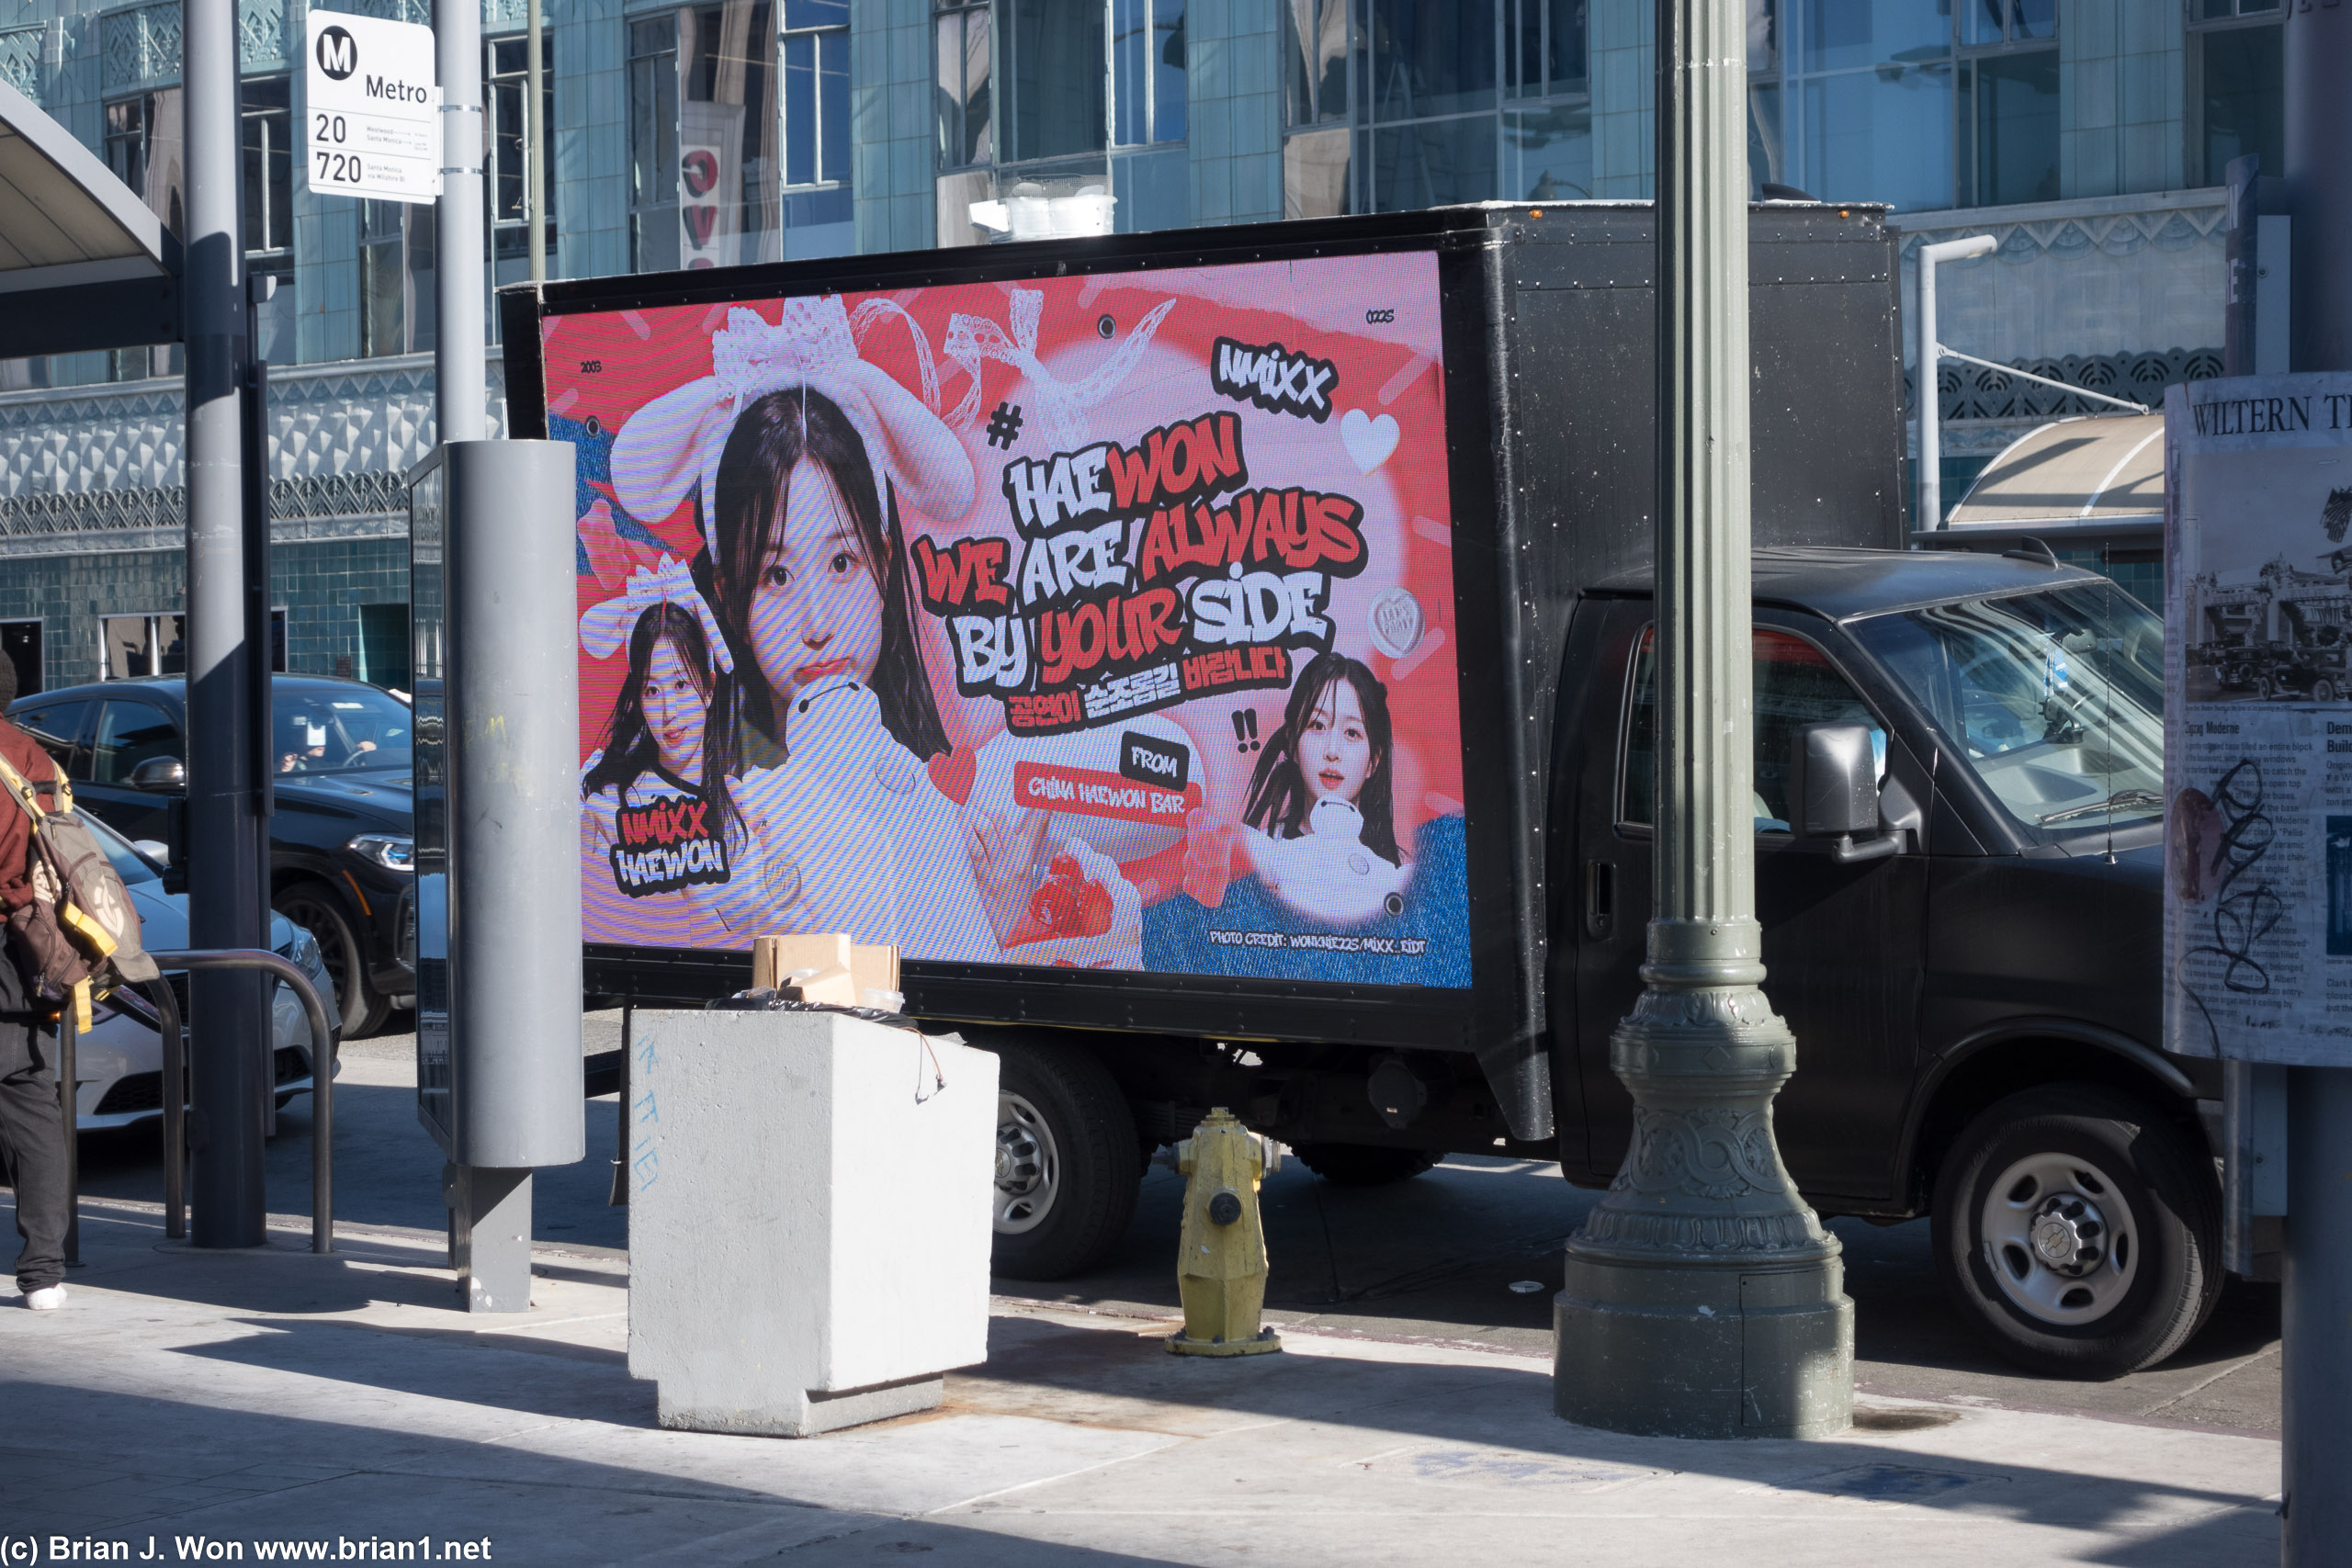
(375, 108)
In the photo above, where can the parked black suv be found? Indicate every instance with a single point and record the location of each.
(342, 845)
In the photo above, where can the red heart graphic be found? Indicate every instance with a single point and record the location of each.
(700, 221)
(700, 168)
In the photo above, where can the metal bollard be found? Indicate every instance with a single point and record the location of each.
(1221, 1258)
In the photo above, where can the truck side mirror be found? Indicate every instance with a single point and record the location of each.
(160, 775)
(1833, 791)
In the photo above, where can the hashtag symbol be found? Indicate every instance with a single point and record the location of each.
(1004, 426)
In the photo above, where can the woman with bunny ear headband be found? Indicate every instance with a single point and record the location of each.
(672, 707)
(800, 453)
(795, 447)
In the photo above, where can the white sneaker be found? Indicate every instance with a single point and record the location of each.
(48, 1298)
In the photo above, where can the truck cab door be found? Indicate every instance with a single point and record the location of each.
(1843, 944)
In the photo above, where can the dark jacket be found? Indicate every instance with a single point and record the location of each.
(25, 755)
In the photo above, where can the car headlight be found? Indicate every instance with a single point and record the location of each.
(393, 851)
(302, 952)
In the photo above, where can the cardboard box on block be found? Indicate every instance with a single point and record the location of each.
(809, 1217)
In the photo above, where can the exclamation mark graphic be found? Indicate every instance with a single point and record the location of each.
(1245, 730)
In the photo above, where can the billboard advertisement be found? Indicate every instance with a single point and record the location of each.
(2258, 719)
(1099, 622)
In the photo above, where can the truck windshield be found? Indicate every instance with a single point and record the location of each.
(2056, 698)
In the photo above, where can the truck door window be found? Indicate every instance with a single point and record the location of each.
(1796, 684)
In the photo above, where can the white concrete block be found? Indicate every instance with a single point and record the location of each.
(809, 1218)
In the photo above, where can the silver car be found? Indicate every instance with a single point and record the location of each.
(119, 1066)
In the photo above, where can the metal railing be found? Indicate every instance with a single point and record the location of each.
(322, 1054)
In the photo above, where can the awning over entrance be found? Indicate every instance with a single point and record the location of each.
(2101, 475)
(83, 264)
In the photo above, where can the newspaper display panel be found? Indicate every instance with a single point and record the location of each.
(1101, 622)
(2258, 733)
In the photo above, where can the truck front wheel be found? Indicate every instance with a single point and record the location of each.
(2078, 1231)
(1067, 1164)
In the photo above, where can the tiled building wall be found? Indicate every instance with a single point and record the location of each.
(588, 167)
(68, 595)
(890, 124)
(1232, 51)
(2120, 88)
(1625, 149)
(321, 587)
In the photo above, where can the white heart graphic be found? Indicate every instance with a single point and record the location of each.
(1369, 440)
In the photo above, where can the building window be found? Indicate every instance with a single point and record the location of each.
(817, 216)
(963, 39)
(705, 183)
(2008, 103)
(2238, 70)
(142, 149)
(1069, 114)
(1919, 105)
(142, 645)
(268, 154)
(143, 142)
(653, 144)
(504, 86)
(397, 303)
(1397, 103)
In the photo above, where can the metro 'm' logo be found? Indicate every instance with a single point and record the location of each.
(338, 53)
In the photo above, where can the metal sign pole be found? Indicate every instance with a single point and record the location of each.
(1703, 1299)
(535, 121)
(460, 397)
(225, 893)
(2316, 1355)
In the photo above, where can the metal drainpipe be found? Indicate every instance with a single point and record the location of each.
(1930, 351)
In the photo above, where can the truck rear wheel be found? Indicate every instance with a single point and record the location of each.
(1067, 1164)
(1364, 1164)
(2079, 1231)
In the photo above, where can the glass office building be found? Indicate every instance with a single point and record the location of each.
(2088, 136)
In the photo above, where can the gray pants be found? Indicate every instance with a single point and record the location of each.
(32, 1139)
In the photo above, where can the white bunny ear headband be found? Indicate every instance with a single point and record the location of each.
(673, 444)
(606, 629)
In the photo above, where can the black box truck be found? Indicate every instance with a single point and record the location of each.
(1220, 663)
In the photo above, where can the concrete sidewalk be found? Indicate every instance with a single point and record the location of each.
(210, 1399)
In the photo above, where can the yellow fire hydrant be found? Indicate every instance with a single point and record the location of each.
(1221, 1261)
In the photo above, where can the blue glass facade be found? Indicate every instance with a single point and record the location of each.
(2086, 135)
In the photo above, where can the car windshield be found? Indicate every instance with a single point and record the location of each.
(129, 864)
(338, 729)
(2056, 698)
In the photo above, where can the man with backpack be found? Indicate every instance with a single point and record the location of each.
(32, 1127)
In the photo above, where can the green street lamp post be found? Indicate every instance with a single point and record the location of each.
(1703, 1298)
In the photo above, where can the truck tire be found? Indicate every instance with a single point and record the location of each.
(1364, 1164)
(1066, 1168)
(2079, 1231)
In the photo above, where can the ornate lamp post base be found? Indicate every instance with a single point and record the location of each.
(1704, 1299)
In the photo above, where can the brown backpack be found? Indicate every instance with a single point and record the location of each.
(78, 935)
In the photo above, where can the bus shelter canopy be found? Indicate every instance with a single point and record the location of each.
(83, 264)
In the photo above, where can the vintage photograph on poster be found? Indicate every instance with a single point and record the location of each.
(1099, 622)
(2258, 733)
